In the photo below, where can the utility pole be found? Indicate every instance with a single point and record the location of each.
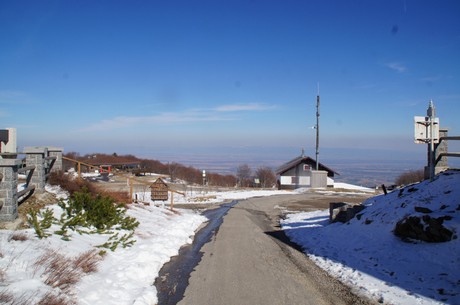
(317, 129)
(427, 132)
(431, 114)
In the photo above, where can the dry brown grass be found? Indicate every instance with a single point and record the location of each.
(52, 299)
(59, 273)
(87, 261)
(118, 196)
(19, 236)
(2, 276)
(5, 297)
(63, 272)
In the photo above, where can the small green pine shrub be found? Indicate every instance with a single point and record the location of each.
(98, 211)
(87, 214)
(40, 221)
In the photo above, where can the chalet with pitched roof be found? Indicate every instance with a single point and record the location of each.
(300, 172)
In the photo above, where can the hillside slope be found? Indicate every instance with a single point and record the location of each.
(366, 254)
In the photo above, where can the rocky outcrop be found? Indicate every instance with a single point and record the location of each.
(343, 211)
(424, 228)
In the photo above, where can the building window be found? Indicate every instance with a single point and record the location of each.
(306, 167)
(293, 180)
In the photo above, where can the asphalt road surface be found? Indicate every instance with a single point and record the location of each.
(250, 261)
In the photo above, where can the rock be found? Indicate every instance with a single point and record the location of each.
(423, 210)
(424, 228)
(343, 212)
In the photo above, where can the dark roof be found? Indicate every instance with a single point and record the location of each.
(100, 159)
(301, 159)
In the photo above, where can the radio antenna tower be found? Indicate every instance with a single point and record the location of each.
(317, 129)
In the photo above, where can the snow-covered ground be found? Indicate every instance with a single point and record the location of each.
(365, 253)
(368, 257)
(125, 276)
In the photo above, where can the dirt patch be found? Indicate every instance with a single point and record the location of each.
(36, 201)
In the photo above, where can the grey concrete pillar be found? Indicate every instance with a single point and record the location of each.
(8, 189)
(440, 148)
(35, 156)
(56, 152)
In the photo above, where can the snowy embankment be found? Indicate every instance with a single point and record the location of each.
(366, 255)
(124, 276)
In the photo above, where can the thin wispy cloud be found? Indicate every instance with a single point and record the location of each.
(158, 119)
(11, 96)
(221, 113)
(431, 79)
(396, 66)
(243, 107)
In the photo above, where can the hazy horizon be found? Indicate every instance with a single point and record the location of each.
(366, 167)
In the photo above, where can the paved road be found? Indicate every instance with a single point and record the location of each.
(249, 261)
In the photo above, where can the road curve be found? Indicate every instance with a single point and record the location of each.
(250, 261)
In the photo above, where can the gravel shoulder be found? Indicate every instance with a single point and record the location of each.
(250, 260)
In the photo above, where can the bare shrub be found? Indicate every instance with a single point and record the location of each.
(59, 272)
(63, 272)
(52, 299)
(243, 173)
(410, 177)
(19, 236)
(87, 261)
(69, 183)
(5, 297)
(266, 176)
(2, 275)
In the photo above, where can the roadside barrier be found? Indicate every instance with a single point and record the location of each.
(38, 163)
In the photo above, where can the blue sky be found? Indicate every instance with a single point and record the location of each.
(147, 77)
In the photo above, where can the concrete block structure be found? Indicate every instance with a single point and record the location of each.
(56, 152)
(8, 189)
(35, 156)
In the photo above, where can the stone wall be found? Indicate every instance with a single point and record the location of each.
(8, 189)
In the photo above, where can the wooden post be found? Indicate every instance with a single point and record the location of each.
(79, 170)
(172, 201)
(130, 182)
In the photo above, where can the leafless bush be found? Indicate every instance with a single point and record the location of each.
(10, 299)
(52, 299)
(70, 184)
(87, 261)
(59, 272)
(5, 297)
(19, 237)
(410, 177)
(2, 276)
(63, 272)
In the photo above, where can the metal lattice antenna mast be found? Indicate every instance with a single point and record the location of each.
(317, 129)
